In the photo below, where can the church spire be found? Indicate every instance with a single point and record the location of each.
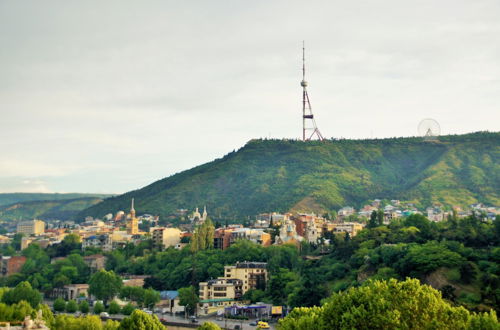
(204, 217)
(132, 210)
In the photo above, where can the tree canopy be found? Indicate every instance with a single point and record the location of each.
(386, 305)
(105, 284)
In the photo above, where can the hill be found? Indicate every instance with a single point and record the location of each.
(11, 198)
(283, 175)
(64, 208)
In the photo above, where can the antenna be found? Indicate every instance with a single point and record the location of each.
(306, 106)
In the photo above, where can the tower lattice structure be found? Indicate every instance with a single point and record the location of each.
(309, 127)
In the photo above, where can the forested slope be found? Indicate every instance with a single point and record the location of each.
(280, 175)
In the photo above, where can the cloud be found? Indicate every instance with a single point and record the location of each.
(111, 96)
(18, 184)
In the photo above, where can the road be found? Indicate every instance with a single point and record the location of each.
(229, 324)
(244, 324)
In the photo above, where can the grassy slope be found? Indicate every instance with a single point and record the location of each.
(278, 175)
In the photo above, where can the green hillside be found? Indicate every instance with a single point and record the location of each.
(282, 175)
(11, 198)
(62, 209)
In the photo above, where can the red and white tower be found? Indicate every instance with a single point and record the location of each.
(309, 128)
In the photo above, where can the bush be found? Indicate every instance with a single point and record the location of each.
(98, 308)
(59, 305)
(128, 309)
(84, 307)
(114, 308)
(71, 306)
(209, 326)
(23, 291)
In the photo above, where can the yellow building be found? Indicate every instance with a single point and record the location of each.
(133, 223)
(219, 293)
(32, 227)
(252, 274)
(166, 237)
(348, 227)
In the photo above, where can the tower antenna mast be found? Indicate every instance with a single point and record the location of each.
(308, 131)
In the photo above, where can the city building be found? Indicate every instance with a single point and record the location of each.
(288, 234)
(11, 265)
(133, 222)
(352, 228)
(169, 302)
(258, 236)
(31, 227)
(95, 262)
(435, 214)
(71, 291)
(26, 241)
(197, 218)
(219, 293)
(252, 274)
(222, 237)
(4, 240)
(166, 237)
(345, 212)
(311, 234)
(103, 242)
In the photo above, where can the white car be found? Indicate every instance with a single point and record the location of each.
(104, 314)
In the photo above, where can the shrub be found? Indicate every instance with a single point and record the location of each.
(59, 305)
(71, 306)
(98, 308)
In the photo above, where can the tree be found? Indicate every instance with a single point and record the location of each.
(209, 326)
(188, 298)
(373, 222)
(150, 298)
(114, 308)
(133, 293)
(23, 291)
(203, 237)
(254, 295)
(84, 307)
(140, 320)
(380, 217)
(386, 305)
(47, 315)
(59, 305)
(128, 309)
(71, 306)
(21, 310)
(105, 285)
(98, 307)
(90, 322)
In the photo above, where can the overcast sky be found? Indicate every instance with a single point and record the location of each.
(109, 96)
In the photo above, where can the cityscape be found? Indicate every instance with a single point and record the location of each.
(249, 165)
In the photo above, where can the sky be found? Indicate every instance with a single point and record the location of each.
(109, 96)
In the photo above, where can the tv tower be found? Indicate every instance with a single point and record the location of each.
(306, 106)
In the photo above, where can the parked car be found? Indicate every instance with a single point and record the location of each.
(263, 325)
(104, 314)
(253, 323)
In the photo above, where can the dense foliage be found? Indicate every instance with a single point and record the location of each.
(140, 320)
(387, 305)
(460, 257)
(279, 175)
